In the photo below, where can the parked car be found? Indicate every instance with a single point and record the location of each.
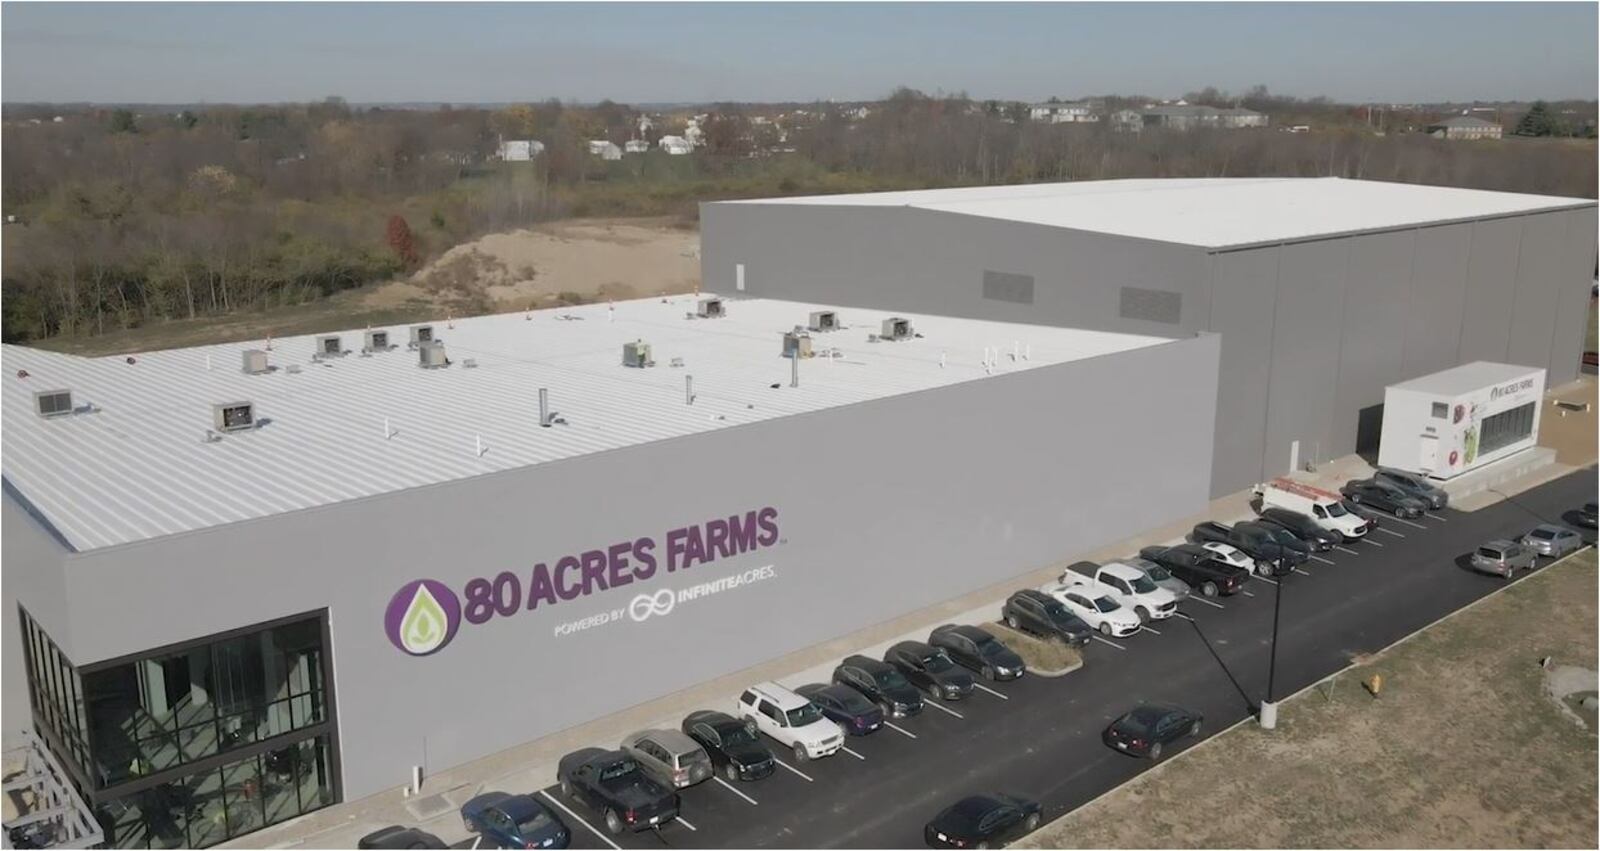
(1373, 518)
(982, 821)
(1127, 585)
(1552, 541)
(1415, 485)
(845, 706)
(611, 784)
(1148, 727)
(1383, 496)
(1160, 576)
(881, 683)
(1283, 536)
(1268, 554)
(731, 743)
(1199, 567)
(928, 668)
(1302, 526)
(1231, 555)
(1320, 505)
(1589, 515)
(1502, 558)
(509, 821)
(791, 720)
(976, 649)
(397, 837)
(1096, 609)
(1038, 613)
(670, 758)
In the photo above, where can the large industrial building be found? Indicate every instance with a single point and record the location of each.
(1324, 291)
(242, 582)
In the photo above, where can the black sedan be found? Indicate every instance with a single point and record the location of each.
(395, 836)
(929, 669)
(978, 650)
(882, 683)
(1302, 527)
(735, 749)
(1143, 731)
(844, 706)
(1383, 496)
(982, 821)
(1589, 515)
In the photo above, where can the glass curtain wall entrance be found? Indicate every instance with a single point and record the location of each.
(190, 745)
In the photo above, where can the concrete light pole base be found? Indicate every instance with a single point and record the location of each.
(1268, 716)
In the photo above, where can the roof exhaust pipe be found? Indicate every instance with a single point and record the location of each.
(688, 390)
(544, 407)
(794, 369)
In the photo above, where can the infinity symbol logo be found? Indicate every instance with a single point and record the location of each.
(645, 605)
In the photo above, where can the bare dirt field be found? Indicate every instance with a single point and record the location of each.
(1464, 748)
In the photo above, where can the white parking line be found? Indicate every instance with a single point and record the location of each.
(802, 774)
(1184, 616)
(991, 691)
(1299, 571)
(1370, 541)
(603, 838)
(1430, 515)
(1247, 593)
(685, 822)
(1148, 629)
(730, 788)
(852, 753)
(1207, 602)
(1112, 643)
(1269, 581)
(1391, 532)
(1348, 550)
(1409, 523)
(945, 709)
(899, 729)
(1321, 559)
(476, 841)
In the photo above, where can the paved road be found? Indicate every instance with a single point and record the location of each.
(1039, 737)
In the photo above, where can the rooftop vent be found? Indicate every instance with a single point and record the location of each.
(330, 346)
(709, 308)
(637, 354)
(421, 334)
(233, 416)
(823, 320)
(431, 356)
(52, 403)
(896, 328)
(255, 362)
(796, 344)
(377, 341)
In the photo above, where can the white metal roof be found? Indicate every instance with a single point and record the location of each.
(1466, 378)
(139, 468)
(1211, 212)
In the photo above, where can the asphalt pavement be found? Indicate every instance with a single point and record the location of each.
(1040, 738)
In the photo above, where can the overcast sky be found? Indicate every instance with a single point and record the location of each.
(661, 52)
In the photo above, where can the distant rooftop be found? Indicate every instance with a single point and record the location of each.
(1463, 121)
(141, 468)
(1215, 213)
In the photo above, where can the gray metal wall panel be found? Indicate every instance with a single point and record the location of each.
(1438, 299)
(1491, 290)
(1573, 306)
(33, 576)
(903, 501)
(1243, 291)
(1305, 352)
(1376, 300)
(1533, 311)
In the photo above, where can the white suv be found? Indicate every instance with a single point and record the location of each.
(792, 720)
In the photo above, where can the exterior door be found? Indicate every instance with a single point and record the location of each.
(1428, 453)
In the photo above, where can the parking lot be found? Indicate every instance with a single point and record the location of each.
(1040, 738)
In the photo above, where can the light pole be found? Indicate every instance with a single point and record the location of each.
(1269, 709)
(1229, 674)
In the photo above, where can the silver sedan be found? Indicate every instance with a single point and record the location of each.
(1552, 541)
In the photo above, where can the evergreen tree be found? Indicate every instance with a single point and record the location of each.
(1538, 121)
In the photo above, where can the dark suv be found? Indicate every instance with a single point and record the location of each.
(1041, 614)
(1199, 567)
(928, 668)
(976, 649)
(882, 683)
(1302, 527)
(734, 748)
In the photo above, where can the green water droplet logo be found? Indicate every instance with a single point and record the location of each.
(425, 624)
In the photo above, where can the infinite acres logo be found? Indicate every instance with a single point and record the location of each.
(425, 614)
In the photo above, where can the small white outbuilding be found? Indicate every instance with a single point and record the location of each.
(1458, 420)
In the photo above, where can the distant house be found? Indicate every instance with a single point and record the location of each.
(676, 145)
(520, 150)
(1127, 121)
(1189, 117)
(1063, 113)
(1464, 127)
(605, 150)
(635, 146)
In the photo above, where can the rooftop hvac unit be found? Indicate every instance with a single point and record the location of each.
(421, 334)
(709, 308)
(895, 328)
(823, 320)
(233, 416)
(637, 355)
(52, 403)
(377, 341)
(431, 356)
(330, 346)
(255, 362)
(796, 344)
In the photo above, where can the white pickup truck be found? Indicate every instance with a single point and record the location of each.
(1127, 585)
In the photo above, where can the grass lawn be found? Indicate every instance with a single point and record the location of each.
(1463, 749)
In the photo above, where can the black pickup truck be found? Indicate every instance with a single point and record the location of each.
(610, 783)
(1274, 556)
(1199, 567)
